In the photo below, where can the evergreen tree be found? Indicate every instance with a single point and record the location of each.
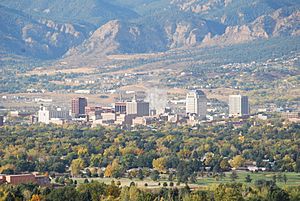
(233, 176)
(140, 174)
(154, 175)
(285, 178)
(248, 178)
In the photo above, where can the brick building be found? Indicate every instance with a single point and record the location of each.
(25, 178)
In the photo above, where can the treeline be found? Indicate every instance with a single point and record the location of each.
(49, 148)
(95, 191)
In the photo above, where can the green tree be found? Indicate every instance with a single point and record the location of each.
(233, 176)
(10, 197)
(274, 178)
(170, 177)
(154, 175)
(248, 178)
(193, 178)
(277, 194)
(66, 193)
(285, 178)
(113, 190)
(224, 164)
(197, 196)
(280, 178)
(76, 166)
(297, 166)
(140, 175)
(228, 192)
(95, 188)
(58, 167)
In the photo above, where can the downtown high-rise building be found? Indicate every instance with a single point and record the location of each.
(138, 108)
(238, 106)
(43, 115)
(120, 107)
(78, 106)
(196, 103)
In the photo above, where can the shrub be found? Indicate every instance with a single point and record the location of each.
(132, 184)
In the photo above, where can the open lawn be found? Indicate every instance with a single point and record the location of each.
(139, 183)
(293, 179)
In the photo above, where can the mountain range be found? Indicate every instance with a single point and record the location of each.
(58, 29)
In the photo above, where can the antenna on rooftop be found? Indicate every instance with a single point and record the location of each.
(120, 97)
(134, 98)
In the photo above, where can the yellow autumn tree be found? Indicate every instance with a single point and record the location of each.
(76, 166)
(36, 198)
(113, 170)
(82, 151)
(237, 161)
(160, 164)
(108, 171)
(208, 158)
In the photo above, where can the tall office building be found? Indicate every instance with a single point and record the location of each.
(196, 103)
(138, 108)
(120, 107)
(238, 105)
(78, 106)
(44, 115)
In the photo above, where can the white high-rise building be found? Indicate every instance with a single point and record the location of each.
(238, 105)
(44, 115)
(196, 103)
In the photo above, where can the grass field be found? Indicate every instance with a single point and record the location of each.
(293, 179)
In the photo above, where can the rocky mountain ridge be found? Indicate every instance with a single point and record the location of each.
(185, 34)
(40, 38)
(95, 30)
